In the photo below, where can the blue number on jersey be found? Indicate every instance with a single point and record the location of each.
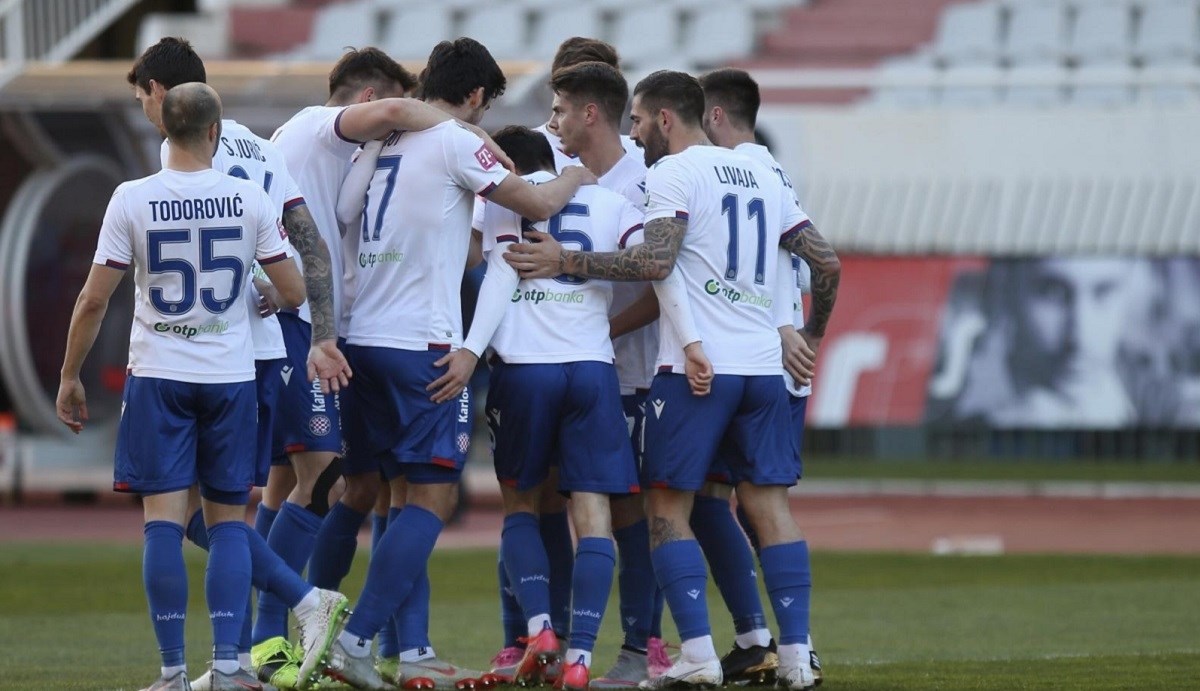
(755, 211)
(392, 164)
(209, 262)
(554, 227)
(240, 172)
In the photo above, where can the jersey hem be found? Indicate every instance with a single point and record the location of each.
(192, 377)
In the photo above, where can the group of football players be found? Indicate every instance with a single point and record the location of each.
(640, 315)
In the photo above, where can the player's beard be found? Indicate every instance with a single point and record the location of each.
(654, 145)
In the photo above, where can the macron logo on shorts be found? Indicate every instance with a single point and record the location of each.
(286, 373)
(658, 404)
(486, 158)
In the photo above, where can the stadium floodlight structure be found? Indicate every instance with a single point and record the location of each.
(50, 30)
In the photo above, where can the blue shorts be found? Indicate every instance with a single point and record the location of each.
(684, 432)
(635, 420)
(720, 470)
(174, 434)
(569, 411)
(269, 384)
(307, 420)
(391, 425)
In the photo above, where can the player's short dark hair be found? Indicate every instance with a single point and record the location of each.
(678, 92)
(170, 62)
(578, 49)
(735, 91)
(594, 82)
(456, 68)
(188, 110)
(530, 151)
(362, 67)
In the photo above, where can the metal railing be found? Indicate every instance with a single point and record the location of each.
(50, 30)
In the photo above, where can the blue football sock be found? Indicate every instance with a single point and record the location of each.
(744, 521)
(403, 552)
(389, 644)
(336, 542)
(264, 518)
(525, 560)
(412, 619)
(511, 615)
(227, 585)
(660, 603)
(271, 574)
(594, 562)
(679, 567)
(165, 579)
(635, 581)
(291, 537)
(246, 637)
(730, 560)
(197, 532)
(560, 553)
(789, 585)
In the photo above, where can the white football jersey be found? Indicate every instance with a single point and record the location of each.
(800, 271)
(636, 351)
(562, 319)
(414, 237)
(737, 210)
(243, 154)
(191, 238)
(562, 159)
(318, 156)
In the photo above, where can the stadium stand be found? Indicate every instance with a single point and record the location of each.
(1040, 53)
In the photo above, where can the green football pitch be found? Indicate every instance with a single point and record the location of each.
(74, 617)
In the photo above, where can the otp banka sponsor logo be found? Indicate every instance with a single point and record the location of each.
(191, 330)
(537, 295)
(370, 259)
(737, 297)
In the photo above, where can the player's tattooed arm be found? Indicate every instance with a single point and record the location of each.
(318, 270)
(662, 531)
(653, 260)
(815, 250)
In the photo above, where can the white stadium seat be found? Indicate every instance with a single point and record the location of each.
(968, 34)
(907, 82)
(1037, 86)
(719, 33)
(338, 26)
(973, 86)
(1168, 33)
(555, 24)
(1102, 34)
(1036, 34)
(1107, 86)
(646, 33)
(502, 27)
(414, 30)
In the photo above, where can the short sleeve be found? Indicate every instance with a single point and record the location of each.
(292, 196)
(794, 218)
(499, 226)
(470, 163)
(477, 213)
(115, 246)
(631, 226)
(324, 127)
(271, 243)
(666, 191)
